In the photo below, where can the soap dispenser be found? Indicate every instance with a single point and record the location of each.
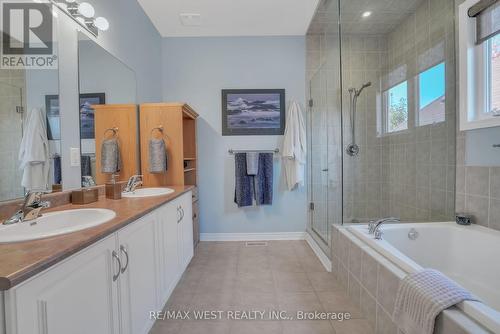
(113, 189)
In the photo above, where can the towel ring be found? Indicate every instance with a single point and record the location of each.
(114, 129)
(160, 129)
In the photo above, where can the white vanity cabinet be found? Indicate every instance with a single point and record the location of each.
(76, 296)
(175, 242)
(185, 231)
(112, 285)
(138, 275)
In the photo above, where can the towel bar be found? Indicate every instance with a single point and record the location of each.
(275, 151)
(160, 129)
(114, 129)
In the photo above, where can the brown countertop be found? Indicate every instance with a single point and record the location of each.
(22, 260)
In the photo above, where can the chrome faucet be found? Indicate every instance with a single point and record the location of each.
(133, 182)
(374, 226)
(30, 209)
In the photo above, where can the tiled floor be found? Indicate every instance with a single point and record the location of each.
(282, 276)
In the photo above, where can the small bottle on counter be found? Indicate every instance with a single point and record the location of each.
(113, 189)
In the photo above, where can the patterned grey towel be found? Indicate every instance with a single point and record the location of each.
(110, 156)
(157, 156)
(422, 296)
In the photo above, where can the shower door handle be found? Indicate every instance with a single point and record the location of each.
(325, 170)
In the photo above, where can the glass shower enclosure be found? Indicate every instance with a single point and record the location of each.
(382, 113)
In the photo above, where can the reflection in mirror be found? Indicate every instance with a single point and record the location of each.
(28, 102)
(103, 80)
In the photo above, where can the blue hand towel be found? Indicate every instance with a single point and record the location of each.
(57, 170)
(264, 180)
(244, 186)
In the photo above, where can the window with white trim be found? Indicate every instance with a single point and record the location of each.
(431, 98)
(396, 108)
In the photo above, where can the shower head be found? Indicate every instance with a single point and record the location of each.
(357, 92)
(365, 85)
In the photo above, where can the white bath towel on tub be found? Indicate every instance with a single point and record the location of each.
(422, 296)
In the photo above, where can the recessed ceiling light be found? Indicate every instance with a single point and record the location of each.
(190, 19)
(366, 14)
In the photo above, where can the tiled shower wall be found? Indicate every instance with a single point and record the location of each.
(11, 84)
(420, 162)
(364, 58)
(478, 189)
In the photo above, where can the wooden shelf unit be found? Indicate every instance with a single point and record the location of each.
(123, 117)
(179, 132)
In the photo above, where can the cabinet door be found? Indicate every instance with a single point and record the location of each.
(138, 278)
(77, 296)
(168, 249)
(186, 230)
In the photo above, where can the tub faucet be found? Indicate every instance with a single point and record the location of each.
(374, 226)
(134, 182)
(30, 209)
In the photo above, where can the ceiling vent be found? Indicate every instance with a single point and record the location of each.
(190, 19)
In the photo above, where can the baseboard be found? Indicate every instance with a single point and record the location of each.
(252, 236)
(327, 263)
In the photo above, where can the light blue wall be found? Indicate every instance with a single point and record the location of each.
(131, 38)
(134, 40)
(195, 70)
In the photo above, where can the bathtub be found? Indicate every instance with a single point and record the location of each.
(470, 255)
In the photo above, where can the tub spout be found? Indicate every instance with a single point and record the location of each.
(374, 228)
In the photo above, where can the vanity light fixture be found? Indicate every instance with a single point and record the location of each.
(101, 23)
(366, 14)
(86, 9)
(83, 13)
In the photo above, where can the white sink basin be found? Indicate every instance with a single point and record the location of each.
(148, 192)
(55, 223)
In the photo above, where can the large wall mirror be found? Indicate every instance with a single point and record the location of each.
(29, 109)
(107, 92)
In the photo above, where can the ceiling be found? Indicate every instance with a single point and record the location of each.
(231, 17)
(385, 16)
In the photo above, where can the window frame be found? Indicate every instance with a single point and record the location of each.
(417, 95)
(473, 75)
(385, 110)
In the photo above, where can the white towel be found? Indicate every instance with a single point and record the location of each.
(252, 163)
(422, 296)
(34, 153)
(294, 147)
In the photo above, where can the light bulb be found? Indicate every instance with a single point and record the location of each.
(366, 14)
(101, 23)
(86, 9)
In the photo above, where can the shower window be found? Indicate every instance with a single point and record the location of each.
(431, 95)
(493, 63)
(396, 108)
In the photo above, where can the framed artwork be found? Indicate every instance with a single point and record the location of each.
(87, 130)
(86, 115)
(253, 112)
